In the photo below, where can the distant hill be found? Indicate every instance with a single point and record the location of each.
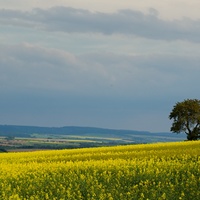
(129, 135)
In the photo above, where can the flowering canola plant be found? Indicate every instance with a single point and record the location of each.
(146, 171)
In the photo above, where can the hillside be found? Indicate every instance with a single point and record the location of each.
(129, 135)
(162, 171)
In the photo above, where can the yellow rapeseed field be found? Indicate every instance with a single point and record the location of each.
(148, 171)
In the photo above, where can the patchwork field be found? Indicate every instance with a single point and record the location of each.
(50, 141)
(31, 138)
(148, 171)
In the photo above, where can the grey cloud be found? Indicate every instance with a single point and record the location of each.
(35, 67)
(127, 22)
(32, 66)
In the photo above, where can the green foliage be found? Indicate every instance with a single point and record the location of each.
(186, 116)
(10, 138)
(2, 150)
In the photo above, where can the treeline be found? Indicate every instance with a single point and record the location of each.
(2, 150)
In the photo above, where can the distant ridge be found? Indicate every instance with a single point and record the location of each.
(19, 129)
(142, 136)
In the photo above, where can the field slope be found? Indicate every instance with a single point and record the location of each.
(148, 171)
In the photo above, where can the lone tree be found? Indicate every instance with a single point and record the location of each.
(186, 116)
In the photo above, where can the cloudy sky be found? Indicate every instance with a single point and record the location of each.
(110, 64)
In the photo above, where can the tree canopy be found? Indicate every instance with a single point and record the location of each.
(186, 118)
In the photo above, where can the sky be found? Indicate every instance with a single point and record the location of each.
(97, 63)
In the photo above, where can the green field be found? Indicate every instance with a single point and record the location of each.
(148, 171)
(51, 141)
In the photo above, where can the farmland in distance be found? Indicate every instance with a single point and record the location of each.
(29, 138)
